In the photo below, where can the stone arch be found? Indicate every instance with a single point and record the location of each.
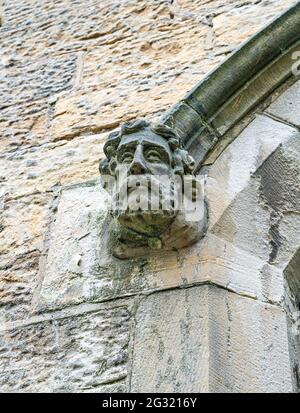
(206, 117)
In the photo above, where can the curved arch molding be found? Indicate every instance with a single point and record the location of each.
(237, 86)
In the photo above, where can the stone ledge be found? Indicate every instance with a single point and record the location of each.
(80, 268)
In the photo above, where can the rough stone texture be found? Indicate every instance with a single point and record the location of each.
(70, 71)
(22, 224)
(24, 124)
(35, 81)
(82, 352)
(19, 277)
(38, 171)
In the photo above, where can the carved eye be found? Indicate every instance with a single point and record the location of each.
(153, 156)
(127, 157)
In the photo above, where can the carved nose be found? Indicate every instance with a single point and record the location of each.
(137, 167)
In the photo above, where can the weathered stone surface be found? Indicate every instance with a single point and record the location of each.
(203, 339)
(69, 354)
(286, 107)
(239, 226)
(88, 112)
(243, 21)
(271, 229)
(23, 224)
(40, 169)
(147, 62)
(80, 266)
(249, 345)
(71, 69)
(279, 192)
(171, 344)
(76, 231)
(18, 279)
(232, 171)
(24, 125)
(36, 80)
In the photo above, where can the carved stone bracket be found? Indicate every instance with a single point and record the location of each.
(157, 201)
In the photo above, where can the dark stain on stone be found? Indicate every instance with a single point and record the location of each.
(279, 178)
(275, 237)
(296, 373)
(279, 192)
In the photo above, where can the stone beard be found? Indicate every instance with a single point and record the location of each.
(149, 176)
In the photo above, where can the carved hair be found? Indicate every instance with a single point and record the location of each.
(183, 163)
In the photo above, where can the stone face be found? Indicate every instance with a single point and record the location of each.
(79, 353)
(143, 164)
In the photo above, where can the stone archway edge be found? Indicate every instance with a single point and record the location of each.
(238, 85)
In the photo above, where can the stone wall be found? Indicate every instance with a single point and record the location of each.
(80, 321)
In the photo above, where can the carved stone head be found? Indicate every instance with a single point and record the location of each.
(146, 160)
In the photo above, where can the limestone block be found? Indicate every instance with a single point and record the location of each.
(71, 69)
(279, 179)
(74, 244)
(237, 24)
(80, 265)
(70, 354)
(264, 217)
(246, 222)
(171, 344)
(218, 261)
(142, 52)
(35, 80)
(232, 171)
(286, 107)
(141, 45)
(18, 280)
(207, 339)
(23, 224)
(24, 125)
(60, 27)
(88, 112)
(248, 344)
(40, 169)
(164, 65)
